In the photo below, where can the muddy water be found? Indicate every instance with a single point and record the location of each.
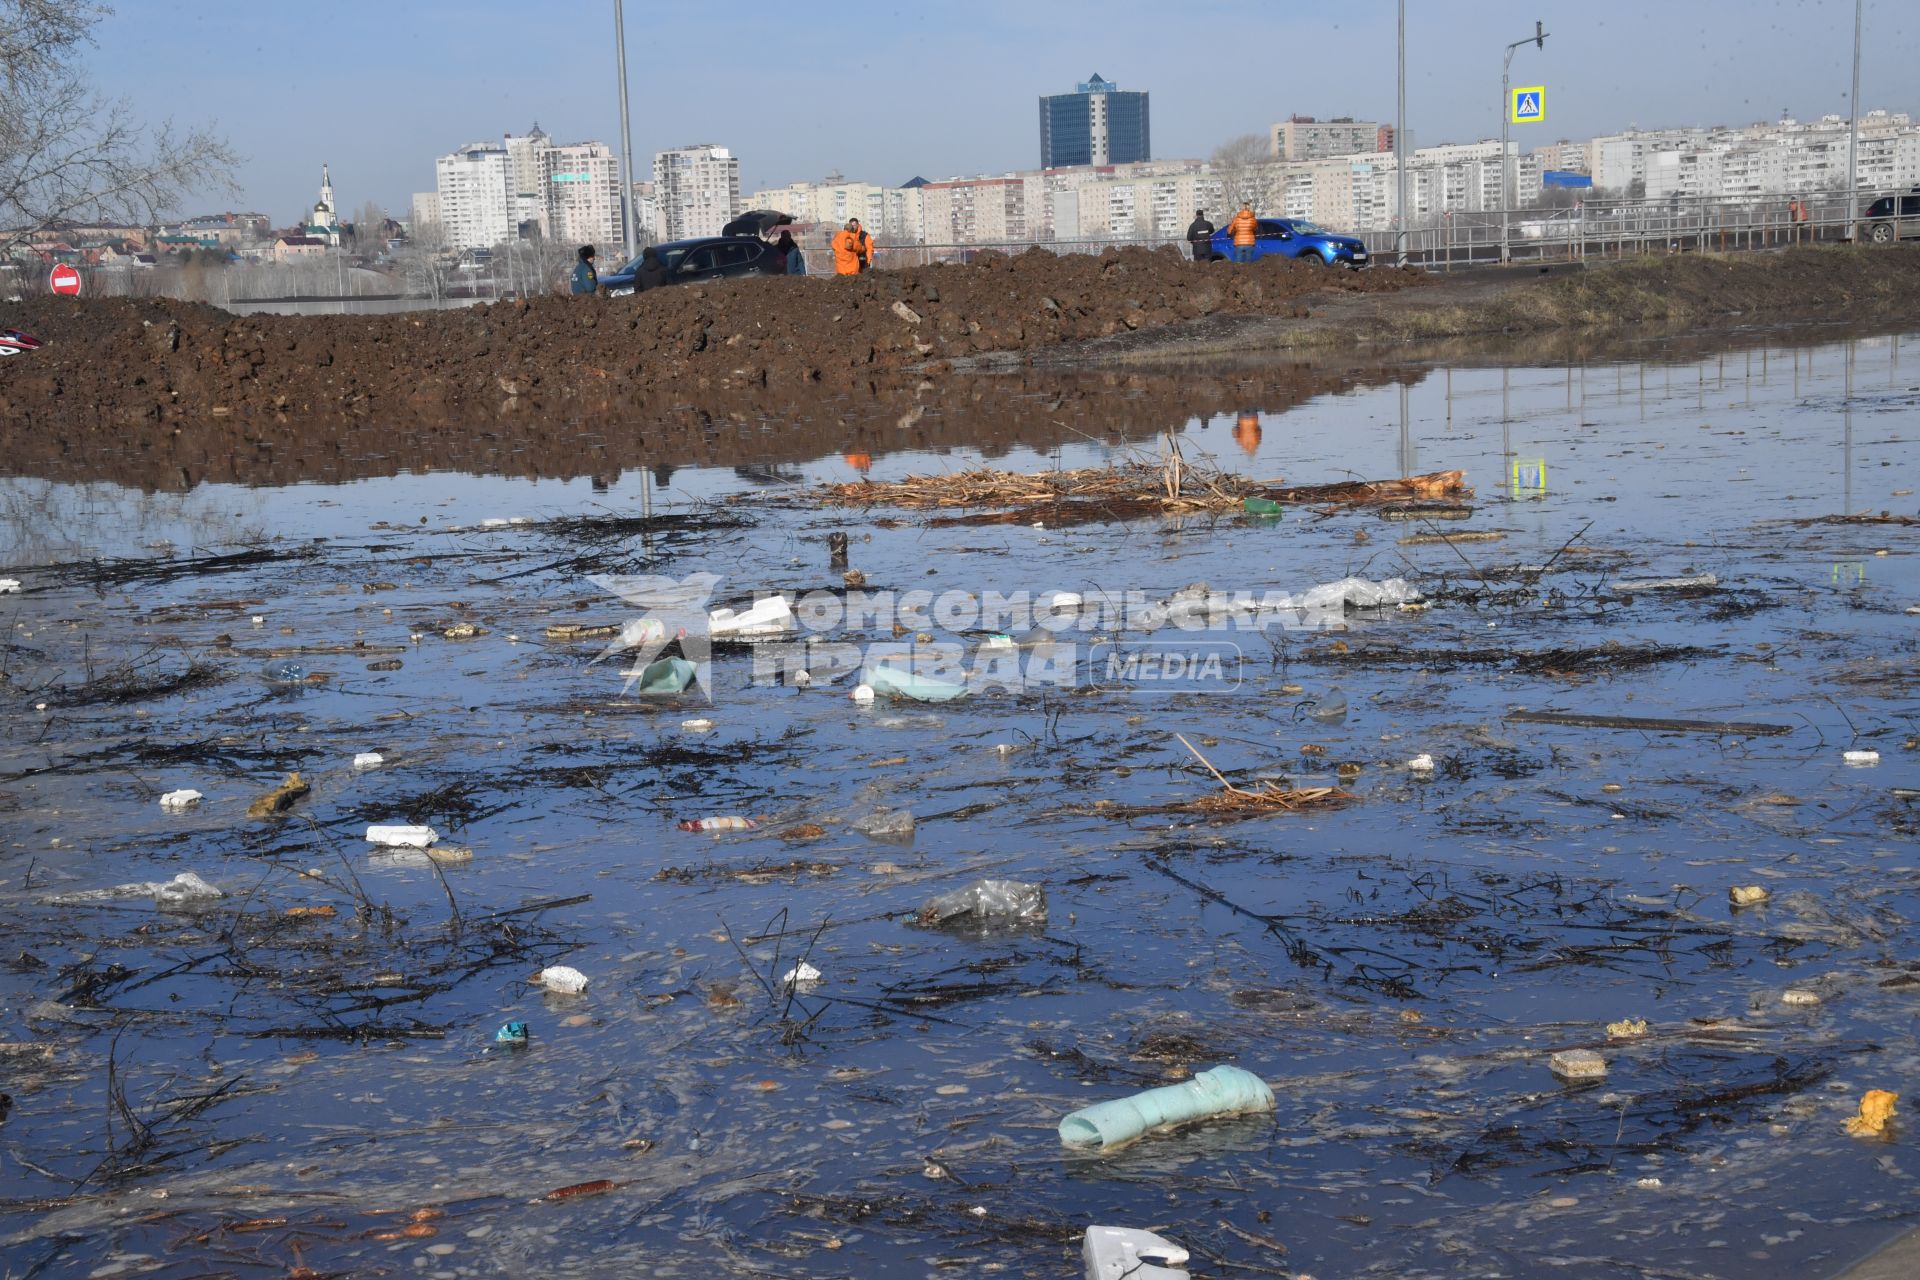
(244, 1090)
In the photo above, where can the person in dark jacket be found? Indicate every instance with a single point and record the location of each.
(651, 273)
(789, 254)
(585, 278)
(1200, 236)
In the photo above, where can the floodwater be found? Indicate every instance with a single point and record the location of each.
(247, 1090)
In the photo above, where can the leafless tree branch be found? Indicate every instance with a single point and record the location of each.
(68, 154)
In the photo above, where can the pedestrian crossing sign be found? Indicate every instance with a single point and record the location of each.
(1529, 105)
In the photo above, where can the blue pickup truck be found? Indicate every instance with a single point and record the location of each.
(1297, 238)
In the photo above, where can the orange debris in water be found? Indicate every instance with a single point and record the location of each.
(1876, 1108)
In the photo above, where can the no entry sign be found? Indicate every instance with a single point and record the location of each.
(65, 280)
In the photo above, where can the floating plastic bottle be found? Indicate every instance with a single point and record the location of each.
(1221, 1091)
(730, 822)
(283, 671)
(1330, 707)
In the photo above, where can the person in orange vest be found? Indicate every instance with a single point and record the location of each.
(852, 249)
(1243, 229)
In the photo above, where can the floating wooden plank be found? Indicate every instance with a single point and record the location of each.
(1653, 724)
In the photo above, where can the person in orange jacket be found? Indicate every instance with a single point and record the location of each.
(1242, 229)
(852, 249)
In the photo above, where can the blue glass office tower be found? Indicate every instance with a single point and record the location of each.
(1095, 124)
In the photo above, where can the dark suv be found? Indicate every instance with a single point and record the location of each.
(708, 258)
(1882, 225)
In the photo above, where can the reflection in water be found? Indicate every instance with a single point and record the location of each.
(1246, 432)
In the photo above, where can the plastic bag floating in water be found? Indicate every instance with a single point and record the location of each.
(986, 904)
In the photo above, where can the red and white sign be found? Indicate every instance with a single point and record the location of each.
(65, 280)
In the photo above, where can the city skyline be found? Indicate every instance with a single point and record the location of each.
(401, 90)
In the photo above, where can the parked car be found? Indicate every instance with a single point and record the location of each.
(1883, 225)
(15, 343)
(707, 258)
(1297, 238)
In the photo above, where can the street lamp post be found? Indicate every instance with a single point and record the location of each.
(1539, 41)
(1400, 146)
(1853, 132)
(626, 130)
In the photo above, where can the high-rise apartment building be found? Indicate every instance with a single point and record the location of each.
(1305, 138)
(426, 212)
(581, 182)
(646, 214)
(698, 188)
(523, 160)
(1095, 124)
(472, 183)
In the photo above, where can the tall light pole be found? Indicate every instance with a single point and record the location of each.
(626, 130)
(1853, 131)
(1539, 40)
(1400, 146)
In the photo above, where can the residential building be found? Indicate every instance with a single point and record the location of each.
(1151, 200)
(523, 160)
(527, 205)
(892, 215)
(978, 210)
(295, 248)
(1095, 124)
(230, 230)
(582, 185)
(698, 188)
(472, 183)
(1300, 138)
(426, 212)
(646, 214)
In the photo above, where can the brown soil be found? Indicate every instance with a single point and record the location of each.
(1537, 314)
(760, 427)
(131, 362)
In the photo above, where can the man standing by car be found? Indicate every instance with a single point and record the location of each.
(852, 249)
(585, 278)
(1200, 236)
(651, 273)
(1243, 228)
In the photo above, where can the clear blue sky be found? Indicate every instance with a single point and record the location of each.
(885, 91)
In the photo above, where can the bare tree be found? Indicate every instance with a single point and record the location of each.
(1246, 171)
(68, 154)
(426, 263)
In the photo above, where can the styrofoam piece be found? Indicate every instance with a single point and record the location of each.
(185, 798)
(368, 760)
(1578, 1064)
(1695, 581)
(769, 617)
(802, 976)
(1127, 1253)
(184, 890)
(9, 586)
(562, 978)
(402, 836)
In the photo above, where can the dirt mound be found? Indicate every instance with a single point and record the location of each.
(1687, 288)
(161, 360)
